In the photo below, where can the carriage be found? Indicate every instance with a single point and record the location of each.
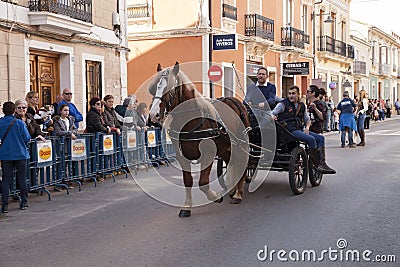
(195, 119)
(291, 155)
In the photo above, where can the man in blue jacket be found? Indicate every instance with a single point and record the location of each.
(73, 110)
(260, 95)
(13, 154)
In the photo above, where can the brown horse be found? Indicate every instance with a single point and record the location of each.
(199, 132)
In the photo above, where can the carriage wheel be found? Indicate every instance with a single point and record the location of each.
(298, 171)
(220, 172)
(314, 176)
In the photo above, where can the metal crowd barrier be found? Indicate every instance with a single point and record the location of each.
(80, 158)
(107, 154)
(45, 165)
(59, 159)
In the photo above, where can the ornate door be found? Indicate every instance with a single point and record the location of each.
(44, 77)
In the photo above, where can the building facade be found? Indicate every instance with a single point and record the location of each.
(46, 46)
(268, 33)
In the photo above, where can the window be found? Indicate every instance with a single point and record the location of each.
(229, 82)
(333, 26)
(305, 19)
(288, 15)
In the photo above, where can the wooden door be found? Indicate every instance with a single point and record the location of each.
(44, 77)
(93, 81)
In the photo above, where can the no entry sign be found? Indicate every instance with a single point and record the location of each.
(215, 73)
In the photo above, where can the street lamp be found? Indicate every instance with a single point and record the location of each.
(328, 20)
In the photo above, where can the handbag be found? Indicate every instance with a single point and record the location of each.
(6, 132)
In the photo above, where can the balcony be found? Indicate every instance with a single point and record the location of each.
(328, 44)
(229, 12)
(63, 17)
(257, 25)
(359, 67)
(383, 69)
(294, 37)
(138, 11)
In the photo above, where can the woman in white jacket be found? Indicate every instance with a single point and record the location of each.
(362, 108)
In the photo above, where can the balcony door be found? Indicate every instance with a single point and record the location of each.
(93, 81)
(44, 76)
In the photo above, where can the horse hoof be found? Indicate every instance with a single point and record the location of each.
(219, 200)
(184, 213)
(236, 201)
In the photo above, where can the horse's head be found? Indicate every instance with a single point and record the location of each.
(166, 90)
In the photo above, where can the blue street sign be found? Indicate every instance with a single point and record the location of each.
(225, 42)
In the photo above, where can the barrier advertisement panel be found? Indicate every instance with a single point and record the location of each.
(108, 144)
(151, 138)
(45, 152)
(78, 149)
(131, 139)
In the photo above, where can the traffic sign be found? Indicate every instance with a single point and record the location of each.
(215, 73)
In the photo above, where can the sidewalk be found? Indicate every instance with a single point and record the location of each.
(372, 124)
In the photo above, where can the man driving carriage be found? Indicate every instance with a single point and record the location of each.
(294, 115)
(260, 95)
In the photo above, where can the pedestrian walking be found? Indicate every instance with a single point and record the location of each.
(347, 123)
(397, 106)
(13, 155)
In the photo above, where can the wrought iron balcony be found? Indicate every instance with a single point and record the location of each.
(229, 11)
(138, 11)
(77, 9)
(257, 25)
(329, 44)
(359, 67)
(294, 37)
(384, 69)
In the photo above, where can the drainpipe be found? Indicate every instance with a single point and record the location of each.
(210, 42)
(8, 68)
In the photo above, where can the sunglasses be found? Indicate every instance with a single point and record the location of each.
(67, 93)
(98, 104)
(21, 107)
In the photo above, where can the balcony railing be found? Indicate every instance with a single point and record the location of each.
(360, 67)
(138, 11)
(383, 69)
(257, 25)
(229, 11)
(77, 9)
(327, 43)
(294, 37)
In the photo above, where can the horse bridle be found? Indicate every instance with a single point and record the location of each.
(171, 93)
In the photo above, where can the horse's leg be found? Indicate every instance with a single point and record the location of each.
(188, 181)
(205, 186)
(236, 193)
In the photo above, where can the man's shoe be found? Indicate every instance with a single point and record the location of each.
(342, 146)
(325, 169)
(23, 206)
(4, 209)
(352, 146)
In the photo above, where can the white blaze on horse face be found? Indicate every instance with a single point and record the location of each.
(155, 106)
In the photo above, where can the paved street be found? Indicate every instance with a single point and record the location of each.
(117, 224)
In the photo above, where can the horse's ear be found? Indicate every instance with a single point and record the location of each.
(159, 67)
(176, 68)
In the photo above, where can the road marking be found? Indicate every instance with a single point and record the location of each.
(383, 133)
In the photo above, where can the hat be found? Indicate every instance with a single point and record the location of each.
(346, 93)
(94, 100)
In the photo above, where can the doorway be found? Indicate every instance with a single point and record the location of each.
(286, 83)
(93, 81)
(44, 76)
